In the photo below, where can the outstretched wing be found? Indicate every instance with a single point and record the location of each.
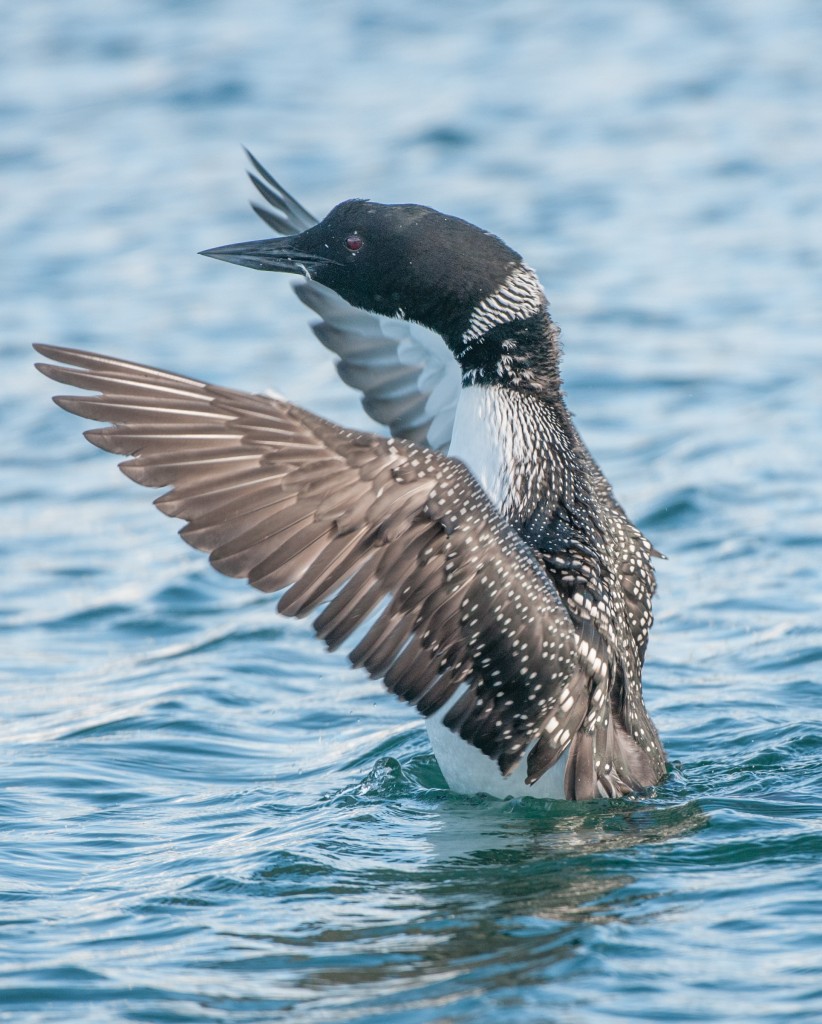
(355, 529)
(409, 380)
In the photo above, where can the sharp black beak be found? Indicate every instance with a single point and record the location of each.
(283, 254)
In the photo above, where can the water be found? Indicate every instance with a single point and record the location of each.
(207, 817)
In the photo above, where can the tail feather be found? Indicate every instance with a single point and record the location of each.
(607, 762)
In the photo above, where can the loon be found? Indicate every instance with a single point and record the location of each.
(500, 587)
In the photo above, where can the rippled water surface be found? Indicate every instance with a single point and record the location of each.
(207, 817)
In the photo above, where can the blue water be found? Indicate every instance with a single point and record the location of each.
(205, 816)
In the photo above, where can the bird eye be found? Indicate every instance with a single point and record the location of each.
(353, 243)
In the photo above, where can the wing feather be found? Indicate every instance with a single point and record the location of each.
(380, 531)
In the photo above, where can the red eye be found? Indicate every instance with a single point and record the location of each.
(353, 243)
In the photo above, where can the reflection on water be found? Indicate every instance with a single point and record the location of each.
(495, 897)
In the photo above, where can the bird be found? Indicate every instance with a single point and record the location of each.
(473, 553)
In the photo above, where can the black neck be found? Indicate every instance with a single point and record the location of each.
(522, 354)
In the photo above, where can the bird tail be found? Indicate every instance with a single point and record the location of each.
(608, 762)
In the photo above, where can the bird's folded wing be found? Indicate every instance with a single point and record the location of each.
(409, 380)
(356, 529)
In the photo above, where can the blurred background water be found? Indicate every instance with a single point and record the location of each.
(207, 817)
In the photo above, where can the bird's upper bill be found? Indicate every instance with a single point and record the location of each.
(284, 254)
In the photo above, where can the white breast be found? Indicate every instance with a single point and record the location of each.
(487, 440)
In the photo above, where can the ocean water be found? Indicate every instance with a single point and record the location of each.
(206, 817)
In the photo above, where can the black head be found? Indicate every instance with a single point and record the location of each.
(406, 261)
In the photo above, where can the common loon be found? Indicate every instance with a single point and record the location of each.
(505, 592)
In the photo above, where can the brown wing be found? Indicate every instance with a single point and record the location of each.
(354, 527)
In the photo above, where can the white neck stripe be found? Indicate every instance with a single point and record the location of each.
(518, 297)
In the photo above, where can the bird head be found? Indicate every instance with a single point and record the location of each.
(406, 261)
